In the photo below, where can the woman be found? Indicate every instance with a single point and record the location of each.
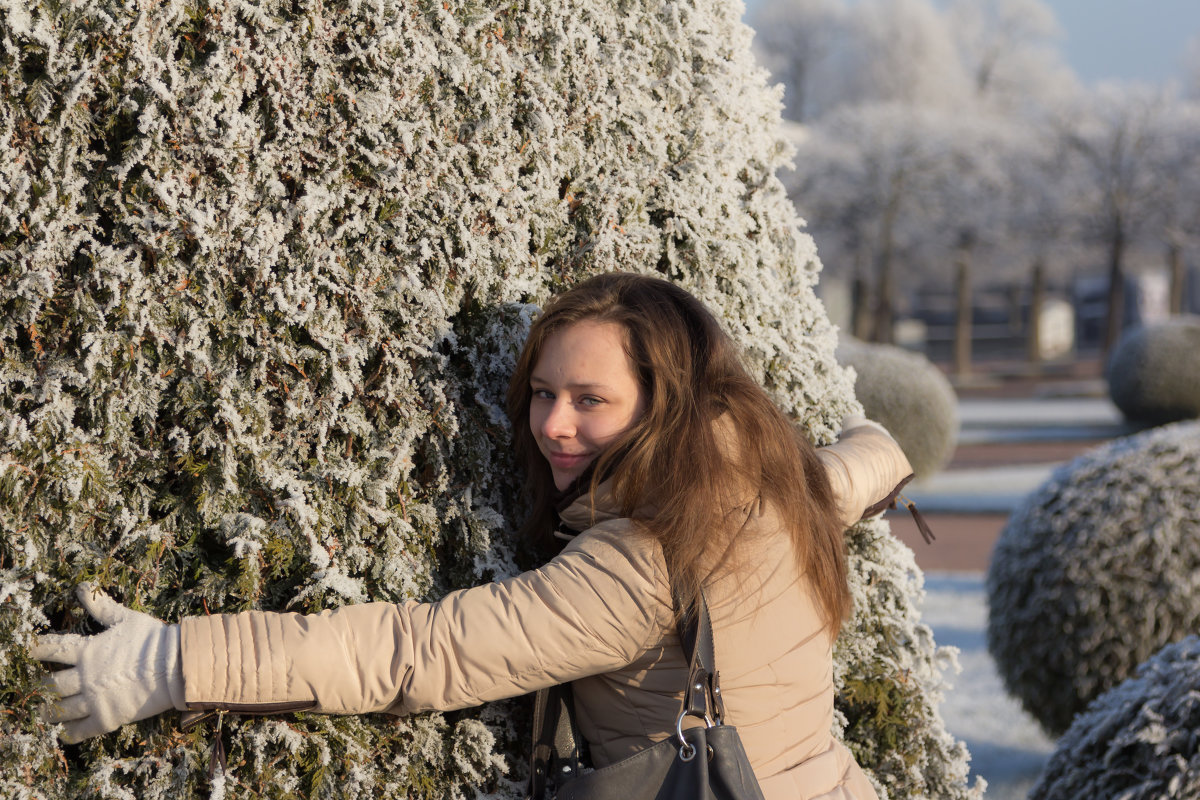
(656, 458)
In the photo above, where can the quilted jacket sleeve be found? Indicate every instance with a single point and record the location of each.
(866, 469)
(592, 609)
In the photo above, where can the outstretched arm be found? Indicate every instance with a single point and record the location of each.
(592, 609)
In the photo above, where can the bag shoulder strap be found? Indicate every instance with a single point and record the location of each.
(702, 696)
(557, 743)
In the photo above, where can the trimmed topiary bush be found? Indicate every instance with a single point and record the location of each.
(1154, 372)
(906, 393)
(1096, 571)
(265, 268)
(1139, 740)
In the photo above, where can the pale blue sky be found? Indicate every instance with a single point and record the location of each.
(1127, 40)
(1143, 40)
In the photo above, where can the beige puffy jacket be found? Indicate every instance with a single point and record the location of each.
(598, 615)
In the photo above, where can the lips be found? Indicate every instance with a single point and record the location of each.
(567, 460)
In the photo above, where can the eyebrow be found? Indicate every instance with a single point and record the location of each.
(574, 386)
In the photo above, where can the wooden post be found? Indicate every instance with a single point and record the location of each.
(962, 316)
(1175, 265)
(1037, 304)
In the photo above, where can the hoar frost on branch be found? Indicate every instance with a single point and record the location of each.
(266, 268)
(1137, 740)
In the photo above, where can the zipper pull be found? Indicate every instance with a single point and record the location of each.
(216, 756)
(922, 525)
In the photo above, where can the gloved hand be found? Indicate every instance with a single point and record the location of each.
(129, 672)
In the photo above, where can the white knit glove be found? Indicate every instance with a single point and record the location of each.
(129, 672)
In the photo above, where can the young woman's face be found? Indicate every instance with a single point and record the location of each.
(585, 395)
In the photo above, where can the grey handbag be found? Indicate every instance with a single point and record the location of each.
(699, 763)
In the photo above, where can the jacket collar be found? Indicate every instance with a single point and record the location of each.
(583, 512)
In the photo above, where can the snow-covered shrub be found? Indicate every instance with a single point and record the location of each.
(1154, 372)
(265, 268)
(1097, 570)
(1139, 740)
(909, 396)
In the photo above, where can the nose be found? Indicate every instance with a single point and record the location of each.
(560, 421)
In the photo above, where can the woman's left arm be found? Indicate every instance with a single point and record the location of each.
(865, 467)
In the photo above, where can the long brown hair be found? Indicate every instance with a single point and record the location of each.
(672, 472)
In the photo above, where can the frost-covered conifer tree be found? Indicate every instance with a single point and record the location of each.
(265, 268)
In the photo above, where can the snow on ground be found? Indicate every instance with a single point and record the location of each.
(1064, 413)
(1061, 419)
(1007, 746)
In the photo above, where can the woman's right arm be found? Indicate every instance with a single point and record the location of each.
(592, 609)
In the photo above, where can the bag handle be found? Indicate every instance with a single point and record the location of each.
(702, 695)
(557, 744)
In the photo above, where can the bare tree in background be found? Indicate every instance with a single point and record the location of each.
(1177, 163)
(1111, 139)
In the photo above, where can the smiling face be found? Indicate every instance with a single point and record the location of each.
(585, 395)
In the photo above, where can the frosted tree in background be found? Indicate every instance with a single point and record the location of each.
(904, 52)
(968, 189)
(265, 269)
(991, 65)
(1177, 163)
(1038, 236)
(796, 40)
(1111, 137)
(862, 179)
(830, 54)
(1006, 46)
(1191, 78)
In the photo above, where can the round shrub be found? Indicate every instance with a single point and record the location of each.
(1154, 372)
(1137, 741)
(1097, 570)
(909, 396)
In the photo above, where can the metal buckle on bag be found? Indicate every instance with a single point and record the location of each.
(687, 750)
